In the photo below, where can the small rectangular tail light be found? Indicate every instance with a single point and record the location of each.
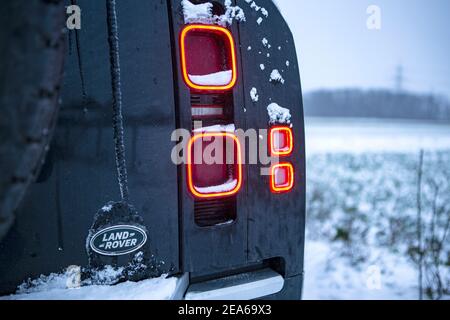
(281, 141)
(214, 179)
(208, 58)
(282, 178)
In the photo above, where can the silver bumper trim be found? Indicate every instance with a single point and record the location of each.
(244, 286)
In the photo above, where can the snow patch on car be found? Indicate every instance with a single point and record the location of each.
(197, 13)
(226, 187)
(254, 94)
(107, 208)
(254, 6)
(162, 288)
(257, 8)
(278, 114)
(264, 12)
(226, 223)
(104, 284)
(202, 13)
(230, 128)
(275, 76)
(221, 78)
(231, 13)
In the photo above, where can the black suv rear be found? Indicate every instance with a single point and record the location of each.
(255, 227)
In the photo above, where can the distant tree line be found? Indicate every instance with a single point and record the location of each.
(376, 104)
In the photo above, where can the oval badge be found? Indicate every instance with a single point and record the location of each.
(118, 240)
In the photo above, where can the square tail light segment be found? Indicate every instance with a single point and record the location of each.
(281, 141)
(218, 176)
(208, 58)
(282, 178)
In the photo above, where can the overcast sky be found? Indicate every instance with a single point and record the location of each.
(336, 49)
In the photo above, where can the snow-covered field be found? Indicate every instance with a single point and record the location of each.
(336, 135)
(330, 276)
(362, 206)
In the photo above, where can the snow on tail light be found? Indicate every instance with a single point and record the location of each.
(281, 141)
(282, 178)
(209, 179)
(208, 58)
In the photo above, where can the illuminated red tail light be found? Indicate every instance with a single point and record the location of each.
(282, 178)
(214, 180)
(208, 58)
(281, 141)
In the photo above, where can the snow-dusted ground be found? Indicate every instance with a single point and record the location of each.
(361, 205)
(331, 135)
(328, 276)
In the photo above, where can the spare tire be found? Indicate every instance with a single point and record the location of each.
(31, 66)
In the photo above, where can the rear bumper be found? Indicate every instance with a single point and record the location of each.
(261, 284)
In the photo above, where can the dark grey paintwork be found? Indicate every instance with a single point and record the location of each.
(52, 224)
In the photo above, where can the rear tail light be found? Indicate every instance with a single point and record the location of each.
(281, 141)
(209, 69)
(282, 178)
(207, 180)
(208, 58)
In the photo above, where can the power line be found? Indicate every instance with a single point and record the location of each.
(399, 78)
